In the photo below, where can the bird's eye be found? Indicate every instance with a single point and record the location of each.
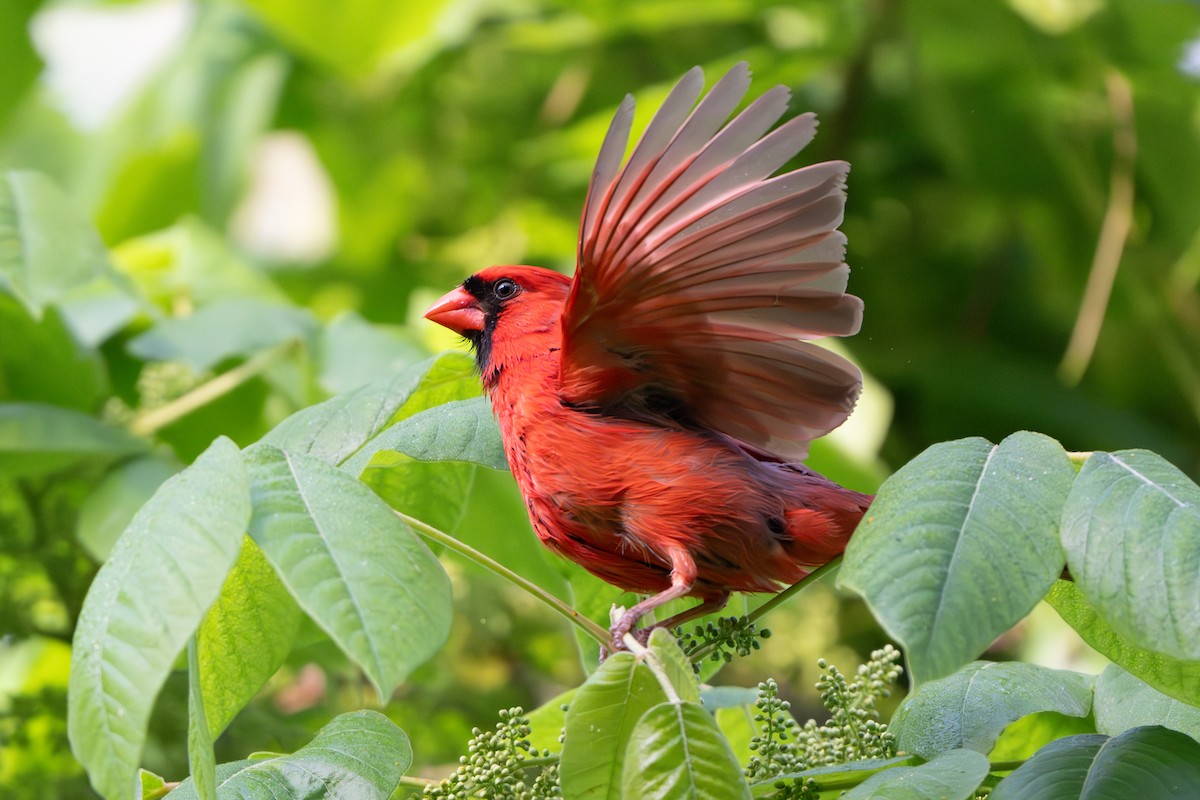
(505, 288)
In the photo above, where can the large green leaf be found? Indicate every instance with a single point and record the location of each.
(353, 566)
(959, 545)
(37, 438)
(245, 636)
(677, 752)
(1142, 762)
(148, 598)
(357, 756)
(236, 327)
(1131, 529)
(954, 775)
(460, 430)
(1171, 676)
(598, 725)
(1123, 702)
(971, 708)
(675, 665)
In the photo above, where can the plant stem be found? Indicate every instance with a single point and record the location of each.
(428, 531)
(156, 419)
(781, 598)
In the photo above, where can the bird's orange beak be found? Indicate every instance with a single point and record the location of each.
(457, 310)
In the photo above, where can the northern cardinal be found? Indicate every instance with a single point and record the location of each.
(656, 407)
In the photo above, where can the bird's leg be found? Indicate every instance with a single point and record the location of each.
(683, 578)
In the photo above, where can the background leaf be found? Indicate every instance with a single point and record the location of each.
(134, 625)
(1131, 529)
(36, 438)
(927, 557)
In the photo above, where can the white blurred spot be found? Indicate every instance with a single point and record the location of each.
(289, 212)
(98, 57)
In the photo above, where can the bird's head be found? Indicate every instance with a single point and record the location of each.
(502, 306)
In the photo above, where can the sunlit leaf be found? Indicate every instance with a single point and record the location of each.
(245, 636)
(1171, 676)
(109, 508)
(460, 430)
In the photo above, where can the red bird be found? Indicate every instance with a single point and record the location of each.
(655, 408)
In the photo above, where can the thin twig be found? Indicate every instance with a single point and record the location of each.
(428, 531)
(159, 418)
(1114, 230)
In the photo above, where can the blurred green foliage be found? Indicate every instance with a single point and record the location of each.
(321, 168)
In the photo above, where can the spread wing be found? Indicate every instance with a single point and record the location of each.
(701, 277)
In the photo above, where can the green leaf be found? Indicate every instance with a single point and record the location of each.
(363, 576)
(1123, 702)
(1030, 733)
(1171, 676)
(357, 756)
(598, 725)
(1142, 762)
(53, 256)
(1131, 529)
(110, 507)
(202, 763)
(676, 751)
(245, 636)
(675, 664)
(148, 598)
(460, 430)
(333, 430)
(954, 775)
(925, 557)
(970, 708)
(238, 326)
(36, 439)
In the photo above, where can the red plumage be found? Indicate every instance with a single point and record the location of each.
(655, 407)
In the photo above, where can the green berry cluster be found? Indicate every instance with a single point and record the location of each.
(501, 763)
(721, 640)
(852, 733)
